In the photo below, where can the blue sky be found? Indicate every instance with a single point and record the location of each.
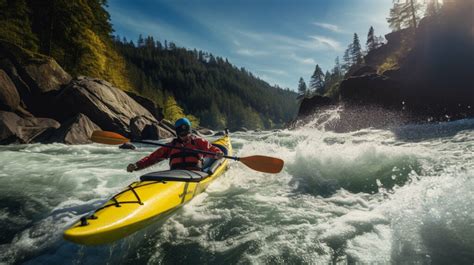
(277, 40)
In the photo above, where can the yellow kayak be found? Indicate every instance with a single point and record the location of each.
(142, 202)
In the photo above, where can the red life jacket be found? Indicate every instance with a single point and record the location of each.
(182, 159)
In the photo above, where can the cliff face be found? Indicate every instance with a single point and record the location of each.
(423, 75)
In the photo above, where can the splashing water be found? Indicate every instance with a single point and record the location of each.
(371, 196)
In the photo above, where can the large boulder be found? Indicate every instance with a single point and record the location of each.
(36, 77)
(148, 104)
(142, 128)
(168, 126)
(204, 132)
(9, 97)
(137, 124)
(41, 73)
(76, 130)
(107, 106)
(309, 105)
(15, 129)
(364, 70)
(46, 76)
(372, 89)
(154, 132)
(10, 69)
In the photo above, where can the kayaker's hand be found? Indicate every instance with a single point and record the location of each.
(132, 167)
(219, 156)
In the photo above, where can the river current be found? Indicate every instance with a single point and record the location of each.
(400, 196)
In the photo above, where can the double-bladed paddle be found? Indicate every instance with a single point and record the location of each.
(260, 163)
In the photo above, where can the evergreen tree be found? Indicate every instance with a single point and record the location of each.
(302, 89)
(158, 45)
(16, 25)
(394, 20)
(328, 80)
(140, 41)
(172, 46)
(371, 43)
(404, 14)
(78, 35)
(149, 42)
(316, 83)
(213, 61)
(356, 52)
(347, 59)
(201, 56)
(337, 70)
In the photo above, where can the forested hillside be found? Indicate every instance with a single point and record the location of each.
(75, 33)
(210, 87)
(78, 35)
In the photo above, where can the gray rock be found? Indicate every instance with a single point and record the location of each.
(364, 70)
(205, 132)
(41, 73)
(9, 97)
(137, 124)
(372, 89)
(310, 105)
(155, 132)
(107, 106)
(128, 146)
(10, 69)
(46, 76)
(148, 104)
(168, 126)
(74, 131)
(15, 129)
(220, 133)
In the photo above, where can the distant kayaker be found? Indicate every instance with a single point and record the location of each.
(180, 159)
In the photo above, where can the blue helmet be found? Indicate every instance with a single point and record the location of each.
(182, 127)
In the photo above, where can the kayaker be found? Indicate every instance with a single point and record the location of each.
(180, 159)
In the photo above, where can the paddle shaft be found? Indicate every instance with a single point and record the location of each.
(186, 149)
(257, 162)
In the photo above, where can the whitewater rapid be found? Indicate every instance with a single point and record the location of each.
(373, 196)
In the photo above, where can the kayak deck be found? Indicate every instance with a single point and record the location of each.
(142, 202)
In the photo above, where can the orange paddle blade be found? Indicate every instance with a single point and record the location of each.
(105, 137)
(263, 163)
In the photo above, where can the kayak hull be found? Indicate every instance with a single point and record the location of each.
(139, 205)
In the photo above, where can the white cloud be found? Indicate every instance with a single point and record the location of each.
(284, 43)
(249, 52)
(331, 27)
(322, 40)
(302, 60)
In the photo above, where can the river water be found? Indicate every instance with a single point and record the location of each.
(401, 196)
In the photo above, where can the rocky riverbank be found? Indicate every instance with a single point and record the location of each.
(40, 102)
(419, 75)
